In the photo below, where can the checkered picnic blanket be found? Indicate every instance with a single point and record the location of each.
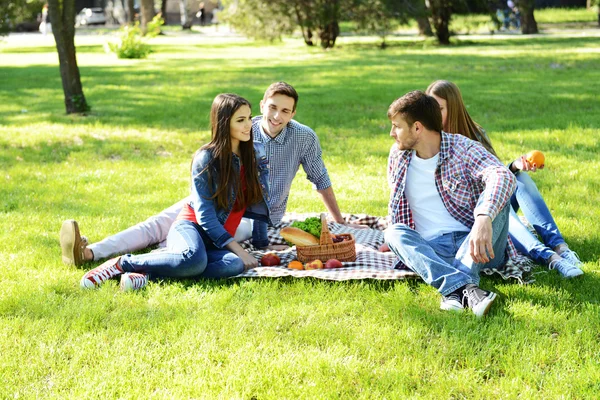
(369, 264)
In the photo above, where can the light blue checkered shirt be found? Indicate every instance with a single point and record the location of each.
(296, 145)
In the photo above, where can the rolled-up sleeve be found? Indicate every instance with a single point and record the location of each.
(204, 206)
(500, 183)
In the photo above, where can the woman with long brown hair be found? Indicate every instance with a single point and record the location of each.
(554, 251)
(229, 181)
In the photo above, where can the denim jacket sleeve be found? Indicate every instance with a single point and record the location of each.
(204, 207)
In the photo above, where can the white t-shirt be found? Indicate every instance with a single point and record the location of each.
(428, 211)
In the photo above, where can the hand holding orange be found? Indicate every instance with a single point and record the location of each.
(536, 158)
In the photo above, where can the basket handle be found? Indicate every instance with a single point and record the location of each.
(325, 235)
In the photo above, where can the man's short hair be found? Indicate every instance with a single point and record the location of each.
(284, 89)
(417, 106)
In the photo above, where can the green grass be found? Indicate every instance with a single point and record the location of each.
(284, 338)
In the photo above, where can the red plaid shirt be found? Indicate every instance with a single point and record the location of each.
(464, 173)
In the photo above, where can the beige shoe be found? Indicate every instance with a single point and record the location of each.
(72, 244)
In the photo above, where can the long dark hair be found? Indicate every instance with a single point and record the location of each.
(221, 113)
(458, 119)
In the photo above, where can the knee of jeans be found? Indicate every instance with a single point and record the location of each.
(236, 266)
(395, 231)
(194, 262)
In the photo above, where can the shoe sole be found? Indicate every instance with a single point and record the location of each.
(70, 242)
(484, 306)
(573, 276)
(450, 307)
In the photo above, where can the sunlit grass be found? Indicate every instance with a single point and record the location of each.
(284, 338)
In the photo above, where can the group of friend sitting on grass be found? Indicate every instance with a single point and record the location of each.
(452, 206)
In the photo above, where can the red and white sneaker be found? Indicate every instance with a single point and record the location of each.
(133, 281)
(101, 274)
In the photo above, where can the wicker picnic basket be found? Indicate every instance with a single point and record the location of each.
(326, 250)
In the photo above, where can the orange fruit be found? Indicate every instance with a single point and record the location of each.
(536, 158)
(295, 265)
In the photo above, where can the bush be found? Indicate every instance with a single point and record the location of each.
(132, 43)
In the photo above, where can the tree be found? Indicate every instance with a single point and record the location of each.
(130, 11)
(62, 15)
(441, 13)
(147, 11)
(184, 18)
(528, 24)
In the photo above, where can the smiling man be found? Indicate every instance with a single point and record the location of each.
(288, 145)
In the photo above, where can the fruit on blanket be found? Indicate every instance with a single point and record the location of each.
(536, 158)
(296, 265)
(298, 236)
(270, 259)
(315, 264)
(333, 263)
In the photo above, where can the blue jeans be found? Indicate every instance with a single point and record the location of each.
(529, 199)
(189, 253)
(444, 262)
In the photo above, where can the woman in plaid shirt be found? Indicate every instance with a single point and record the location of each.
(554, 251)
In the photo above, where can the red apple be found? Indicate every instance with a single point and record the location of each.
(315, 264)
(333, 263)
(270, 259)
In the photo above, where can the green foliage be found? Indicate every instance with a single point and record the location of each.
(318, 20)
(258, 19)
(13, 12)
(311, 225)
(132, 43)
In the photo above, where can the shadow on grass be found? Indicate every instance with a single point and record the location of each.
(179, 96)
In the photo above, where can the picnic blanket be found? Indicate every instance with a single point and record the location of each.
(369, 264)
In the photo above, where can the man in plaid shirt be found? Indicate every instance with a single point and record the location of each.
(448, 204)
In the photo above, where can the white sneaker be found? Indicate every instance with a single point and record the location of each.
(452, 302)
(133, 281)
(478, 300)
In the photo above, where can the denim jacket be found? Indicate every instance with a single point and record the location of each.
(210, 218)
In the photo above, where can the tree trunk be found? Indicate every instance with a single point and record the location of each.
(130, 11)
(329, 34)
(62, 15)
(306, 32)
(441, 12)
(329, 28)
(163, 9)
(528, 24)
(147, 11)
(424, 26)
(186, 22)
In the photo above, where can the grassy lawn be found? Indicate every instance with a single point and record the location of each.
(285, 338)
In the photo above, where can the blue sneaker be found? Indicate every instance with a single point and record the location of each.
(565, 267)
(571, 257)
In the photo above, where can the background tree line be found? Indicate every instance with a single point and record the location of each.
(319, 20)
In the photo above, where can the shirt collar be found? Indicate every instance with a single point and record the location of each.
(279, 139)
(444, 146)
